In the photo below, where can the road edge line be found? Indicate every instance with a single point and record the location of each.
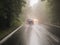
(9, 35)
(53, 25)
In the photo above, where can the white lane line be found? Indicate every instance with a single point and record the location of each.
(4, 39)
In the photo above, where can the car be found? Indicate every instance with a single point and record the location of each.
(30, 21)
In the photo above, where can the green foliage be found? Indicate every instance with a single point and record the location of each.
(54, 10)
(10, 11)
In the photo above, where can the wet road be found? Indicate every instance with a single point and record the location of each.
(35, 35)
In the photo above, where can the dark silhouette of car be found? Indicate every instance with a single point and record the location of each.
(30, 21)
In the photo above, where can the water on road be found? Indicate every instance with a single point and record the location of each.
(34, 35)
(38, 35)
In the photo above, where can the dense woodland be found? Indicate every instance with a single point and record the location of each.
(10, 11)
(53, 7)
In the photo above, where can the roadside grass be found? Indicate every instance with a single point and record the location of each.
(4, 33)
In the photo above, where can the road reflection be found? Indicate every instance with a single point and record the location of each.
(38, 35)
(35, 34)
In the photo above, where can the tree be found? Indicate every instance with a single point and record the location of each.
(10, 11)
(54, 10)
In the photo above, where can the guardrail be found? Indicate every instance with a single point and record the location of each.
(9, 35)
(52, 25)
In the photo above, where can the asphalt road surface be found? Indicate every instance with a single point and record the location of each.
(35, 35)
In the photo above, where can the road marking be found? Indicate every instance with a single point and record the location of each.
(8, 36)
